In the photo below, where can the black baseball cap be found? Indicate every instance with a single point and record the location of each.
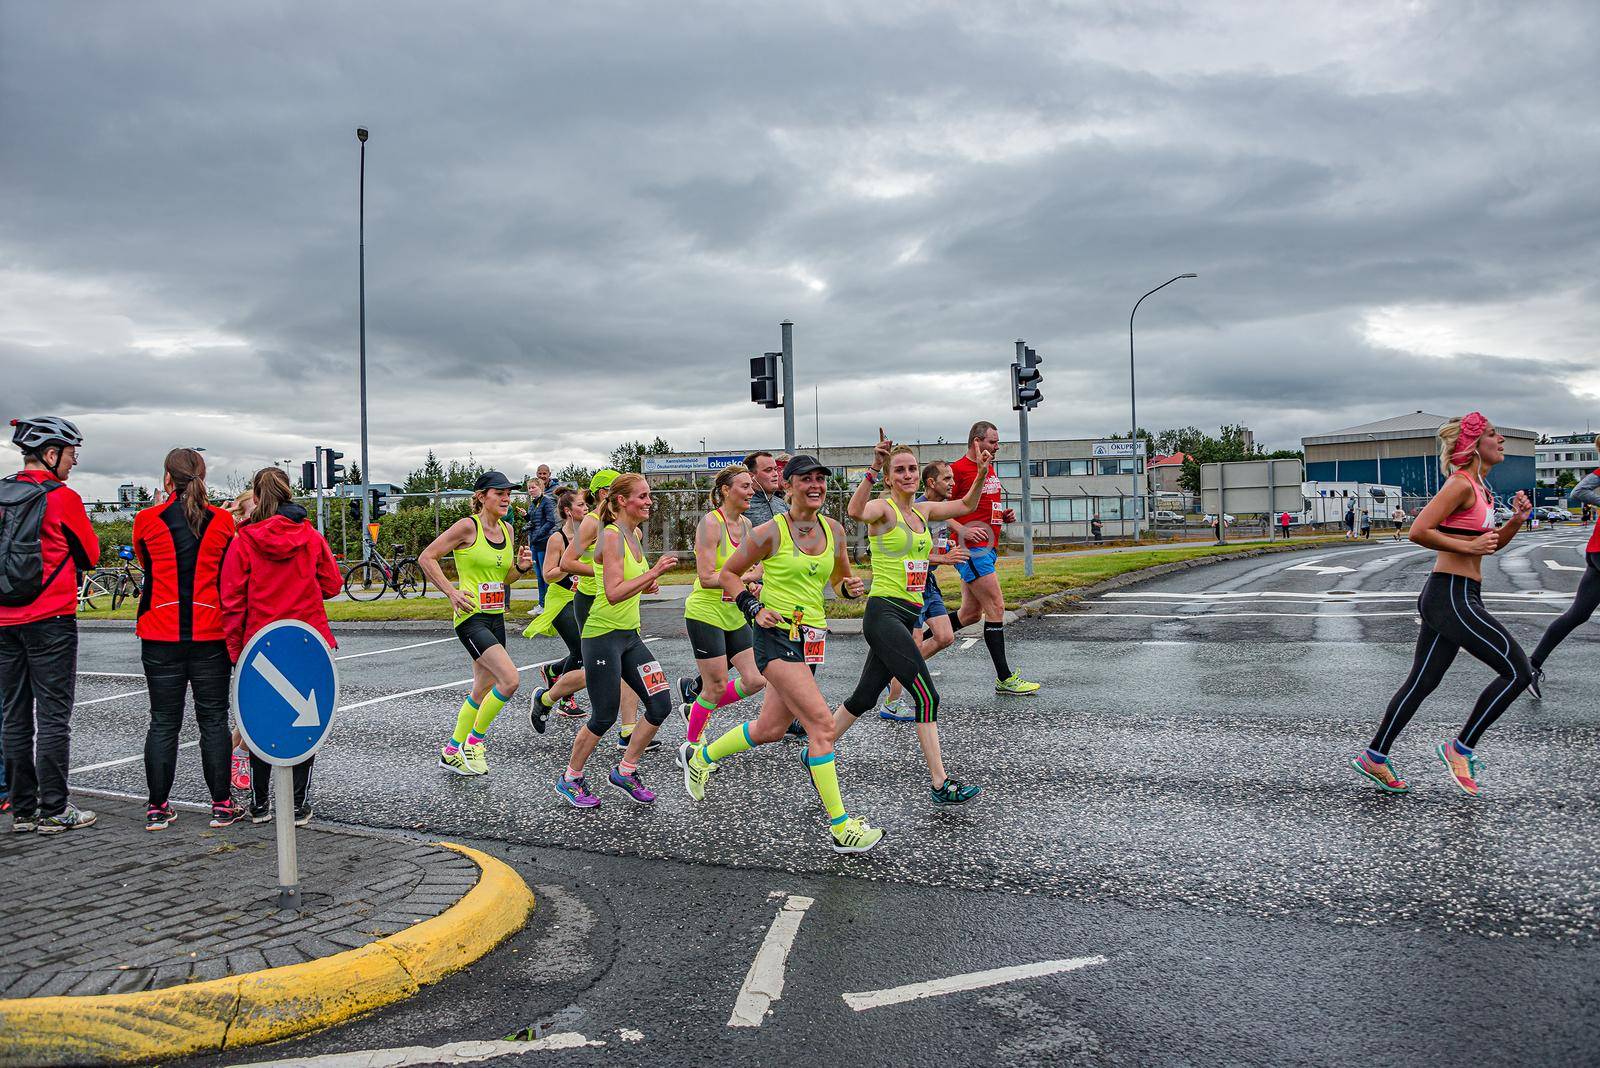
(804, 465)
(492, 480)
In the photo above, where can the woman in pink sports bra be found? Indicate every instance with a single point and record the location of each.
(1456, 524)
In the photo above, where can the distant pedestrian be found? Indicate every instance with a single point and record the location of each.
(45, 540)
(278, 568)
(1366, 524)
(1283, 523)
(1399, 523)
(1350, 523)
(180, 543)
(768, 500)
(1097, 528)
(542, 523)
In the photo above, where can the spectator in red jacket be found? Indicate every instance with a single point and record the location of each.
(278, 568)
(39, 638)
(180, 544)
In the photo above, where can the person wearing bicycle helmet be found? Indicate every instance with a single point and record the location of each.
(45, 540)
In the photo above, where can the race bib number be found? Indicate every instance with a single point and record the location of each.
(916, 575)
(945, 544)
(816, 644)
(997, 514)
(655, 680)
(491, 596)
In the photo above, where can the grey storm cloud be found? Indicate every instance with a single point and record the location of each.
(581, 220)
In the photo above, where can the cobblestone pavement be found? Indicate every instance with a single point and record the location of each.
(114, 908)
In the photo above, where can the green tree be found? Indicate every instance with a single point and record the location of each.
(629, 456)
(573, 475)
(1565, 481)
(1227, 447)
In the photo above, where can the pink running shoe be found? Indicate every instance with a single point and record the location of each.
(1382, 775)
(1463, 768)
(241, 770)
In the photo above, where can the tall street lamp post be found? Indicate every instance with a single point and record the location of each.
(1133, 409)
(361, 223)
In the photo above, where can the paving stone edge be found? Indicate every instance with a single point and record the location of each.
(274, 1004)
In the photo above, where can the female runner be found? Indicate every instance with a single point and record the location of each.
(1587, 599)
(1456, 524)
(558, 617)
(483, 547)
(613, 652)
(801, 552)
(898, 531)
(718, 631)
(934, 633)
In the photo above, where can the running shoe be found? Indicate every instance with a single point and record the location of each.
(854, 836)
(24, 822)
(549, 673)
(895, 711)
(795, 733)
(474, 757)
(623, 739)
(224, 813)
(1381, 774)
(302, 815)
(538, 711)
(240, 773)
(261, 813)
(1016, 684)
(688, 689)
(576, 792)
(631, 785)
(696, 770)
(68, 819)
(1538, 681)
(567, 708)
(456, 762)
(1463, 768)
(157, 817)
(954, 792)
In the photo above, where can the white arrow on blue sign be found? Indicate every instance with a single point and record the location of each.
(285, 688)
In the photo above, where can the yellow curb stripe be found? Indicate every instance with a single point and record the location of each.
(274, 1004)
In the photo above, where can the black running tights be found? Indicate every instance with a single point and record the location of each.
(892, 653)
(1583, 606)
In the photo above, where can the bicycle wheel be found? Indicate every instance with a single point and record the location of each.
(365, 582)
(97, 584)
(409, 581)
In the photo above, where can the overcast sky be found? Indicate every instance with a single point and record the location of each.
(582, 219)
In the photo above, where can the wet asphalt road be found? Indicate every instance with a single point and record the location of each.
(1175, 801)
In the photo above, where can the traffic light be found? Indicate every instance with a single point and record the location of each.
(1025, 379)
(332, 469)
(308, 476)
(377, 511)
(764, 380)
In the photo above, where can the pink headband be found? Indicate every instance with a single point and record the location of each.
(1473, 424)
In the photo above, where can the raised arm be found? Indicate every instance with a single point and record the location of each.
(617, 588)
(705, 551)
(1456, 494)
(844, 578)
(553, 550)
(588, 530)
(938, 510)
(1587, 491)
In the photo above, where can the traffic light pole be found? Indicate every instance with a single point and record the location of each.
(320, 529)
(788, 387)
(1027, 482)
(361, 213)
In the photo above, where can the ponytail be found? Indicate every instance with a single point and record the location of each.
(271, 489)
(187, 469)
(622, 488)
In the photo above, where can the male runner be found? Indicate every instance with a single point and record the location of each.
(980, 586)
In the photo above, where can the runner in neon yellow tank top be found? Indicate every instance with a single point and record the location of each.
(578, 559)
(558, 617)
(718, 631)
(613, 652)
(487, 559)
(800, 553)
(901, 544)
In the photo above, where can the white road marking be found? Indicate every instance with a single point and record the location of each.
(103, 700)
(873, 999)
(112, 674)
(1242, 615)
(396, 649)
(1168, 643)
(122, 760)
(1314, 566)
(648, 640)
(468, 1052)
(968, 643)
(763, 984)
(424, 689)
(1554, 566)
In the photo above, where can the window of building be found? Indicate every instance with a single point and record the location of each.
(1008, 468)
(1068, 467)
(1127, 465)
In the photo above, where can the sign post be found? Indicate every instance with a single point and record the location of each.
(285, 688)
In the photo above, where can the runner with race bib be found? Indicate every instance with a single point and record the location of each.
(801, 552)
(484, 549)
(901, 539)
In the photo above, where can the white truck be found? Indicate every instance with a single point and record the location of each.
(1327, 502)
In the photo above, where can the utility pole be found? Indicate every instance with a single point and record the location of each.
(361, 223)
(319, 492)
(788, 386)
(1027, 481)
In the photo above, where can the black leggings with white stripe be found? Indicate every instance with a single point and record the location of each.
(1584, 602)
(1453, 618)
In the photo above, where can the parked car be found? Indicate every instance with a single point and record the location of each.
(1559, 514)
(1502, 514)
(1165, 515)
(1547, 514)
(1227, 519)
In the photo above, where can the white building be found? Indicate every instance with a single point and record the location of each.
(1574, 454)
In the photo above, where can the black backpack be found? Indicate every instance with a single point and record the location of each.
(22, 577)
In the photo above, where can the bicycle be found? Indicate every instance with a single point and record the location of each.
(125, 580)
(366, 581)
(97, 583)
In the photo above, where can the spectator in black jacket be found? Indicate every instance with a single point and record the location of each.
(542, 523)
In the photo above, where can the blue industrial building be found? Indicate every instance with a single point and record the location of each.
(1404, 451)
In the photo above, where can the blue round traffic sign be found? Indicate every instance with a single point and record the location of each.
(285, 688)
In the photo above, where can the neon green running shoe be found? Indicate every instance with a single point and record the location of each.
(473, 754)
(696, 770)
(455, 762)
(854, 836)
(1016, 684)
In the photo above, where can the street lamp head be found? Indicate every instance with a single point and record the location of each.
(361, 134)
(1188, 276)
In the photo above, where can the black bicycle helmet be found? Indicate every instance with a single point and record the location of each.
(32, 435)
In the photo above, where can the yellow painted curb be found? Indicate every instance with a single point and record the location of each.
(278, 1003)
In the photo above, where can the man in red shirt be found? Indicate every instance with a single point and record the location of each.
(980, 531)
(39, 639)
